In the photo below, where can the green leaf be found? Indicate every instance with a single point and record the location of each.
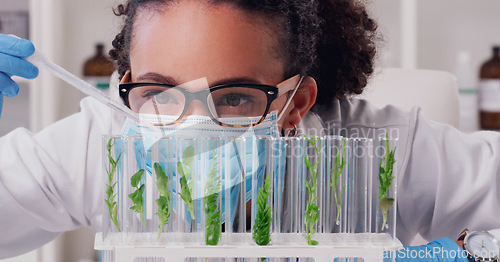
(163, 211)
(261, 229)
(159, 170)
(186, 185)
(111, 160)
(188, 156)
(185, 192)
(385, 180)
(308, 163)
(161, 180)
(136, 178)
(180, 169)
(110, 143)
(109, 191)
(309, 140)
(137, 196)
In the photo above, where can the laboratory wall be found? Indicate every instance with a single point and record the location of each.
(84, 24)
(444, 29)
(447, 27)
(388, 16)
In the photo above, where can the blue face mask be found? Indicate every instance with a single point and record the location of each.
(197, 126)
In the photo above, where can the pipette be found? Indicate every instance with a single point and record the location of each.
(41, 61)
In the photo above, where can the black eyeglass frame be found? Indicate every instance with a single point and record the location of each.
(271, 93)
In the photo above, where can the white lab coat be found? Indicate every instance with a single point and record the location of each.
(52, 181)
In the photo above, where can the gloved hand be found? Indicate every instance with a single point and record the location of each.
(443, 249)
(12, 50)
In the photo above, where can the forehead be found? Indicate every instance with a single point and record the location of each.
(191, 40)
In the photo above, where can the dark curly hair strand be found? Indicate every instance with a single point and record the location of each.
(333, 41)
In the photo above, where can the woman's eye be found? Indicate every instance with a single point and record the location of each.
(150, 94)
(234, 100)
(164, 98)
(160, 97)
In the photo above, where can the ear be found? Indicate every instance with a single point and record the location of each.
(126, 77)
(303, 100)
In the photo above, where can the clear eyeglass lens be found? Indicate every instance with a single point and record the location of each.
(246, 104)
(157, 100)
(233, 105)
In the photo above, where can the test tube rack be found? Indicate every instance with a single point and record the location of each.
(342, 247)
(349, 221)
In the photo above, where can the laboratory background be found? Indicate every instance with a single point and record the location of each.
(454, 36)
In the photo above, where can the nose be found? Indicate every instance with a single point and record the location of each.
(196, 108)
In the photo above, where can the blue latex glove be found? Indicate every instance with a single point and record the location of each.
(12, 50)
(443, 249)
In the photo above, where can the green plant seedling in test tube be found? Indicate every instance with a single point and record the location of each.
(184, 169)
(110, 187)
(311, 215)
(137, 196)
(385, 179)
(164, 198)
(211, 207)
(335, 173)
(262, 228)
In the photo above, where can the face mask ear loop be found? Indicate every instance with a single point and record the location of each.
(291, 97)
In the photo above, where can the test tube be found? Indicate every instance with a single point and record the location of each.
(288, 219)
(162, 193)
(311, 203)
(263, 169)
(278, 151)
(113, 151)
(360, 152)
(336, 185)
(211, 189)
(133, 189)
(188, 202)
(234, 202)
(385, 185)
(334, 128)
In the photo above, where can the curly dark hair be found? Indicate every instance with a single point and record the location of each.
(333, 41)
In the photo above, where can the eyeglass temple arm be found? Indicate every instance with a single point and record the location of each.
(287, 86)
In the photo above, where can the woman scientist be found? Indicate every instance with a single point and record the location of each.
(50, 182)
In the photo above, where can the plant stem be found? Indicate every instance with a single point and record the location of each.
(110, 187)
(211, 207)
(385, 179)
(336, 172)
(311, 214)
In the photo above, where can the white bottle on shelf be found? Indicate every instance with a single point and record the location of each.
(467, 87)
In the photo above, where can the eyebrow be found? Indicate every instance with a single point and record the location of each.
(158, 78)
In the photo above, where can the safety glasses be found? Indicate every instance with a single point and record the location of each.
(248, 103)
